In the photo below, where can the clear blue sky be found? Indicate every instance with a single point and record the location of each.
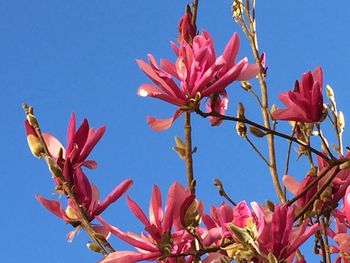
(64, 56)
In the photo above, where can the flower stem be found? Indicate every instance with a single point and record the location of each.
(188, 159)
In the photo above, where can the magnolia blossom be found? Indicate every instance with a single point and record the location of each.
(88, 198)
(197, 73)
(305, 103)
(163, 234)
(340, 235)
(277, 234)
(268, 231)
(80, 143)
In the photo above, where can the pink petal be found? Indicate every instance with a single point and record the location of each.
(318, 75)
(102, 230)
(114, 196)
(91, 164)
(132, 239)
(152, 74)
(137, 211)
(75, 146)
(148, 90)
(82, 187)
(53, 145)
(71, 234)
(291, 184)
(155, 207)
(231, 50)
(129, 257)
(226, 79)
(71, 128)
(248, 72)
(301, 239)
(93, 138)
(162, 124)
(53, 206)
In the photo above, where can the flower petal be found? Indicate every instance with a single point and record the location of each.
(162, 124)
(114, 196)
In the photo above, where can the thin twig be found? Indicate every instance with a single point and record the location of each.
(252, 38)
(324, 143)
(256, 150)
(286, 168)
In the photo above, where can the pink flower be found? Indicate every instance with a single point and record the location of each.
(219, 218)
(163, 231)
(305, 103)
(80, 143)
(196, 74)
(276, 233)
(88, 197)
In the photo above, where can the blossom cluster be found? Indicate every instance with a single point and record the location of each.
(181, 230)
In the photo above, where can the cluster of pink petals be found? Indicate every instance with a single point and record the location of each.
(276, 232)
(197, 70)
(80, 143)
(340, 235)
(163, 234)
(305, 103)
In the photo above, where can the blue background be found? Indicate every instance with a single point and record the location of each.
(79, 56)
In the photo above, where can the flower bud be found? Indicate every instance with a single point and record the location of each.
(53, 167)
(186, 29)
(246, 85)
(94, 247)
(256, 132)
(33, 141)
(241, 129)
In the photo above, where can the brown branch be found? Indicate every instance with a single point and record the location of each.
(189, 152)
(267, 130)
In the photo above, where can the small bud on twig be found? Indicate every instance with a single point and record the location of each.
(256, 132)
(241, 129)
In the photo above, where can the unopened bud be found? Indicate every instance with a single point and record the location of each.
(341, 121)
(187, 31)
(241, 129)
(192, 216)
(236, 10)
(32, 120)
(270, 205)
(180, 147)
(53, 167)
(330, 93)
(345, 165)
(271, 258)
(246, 85)
(33, 141)
(71, 212)
(256, 132)
(94, 247)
